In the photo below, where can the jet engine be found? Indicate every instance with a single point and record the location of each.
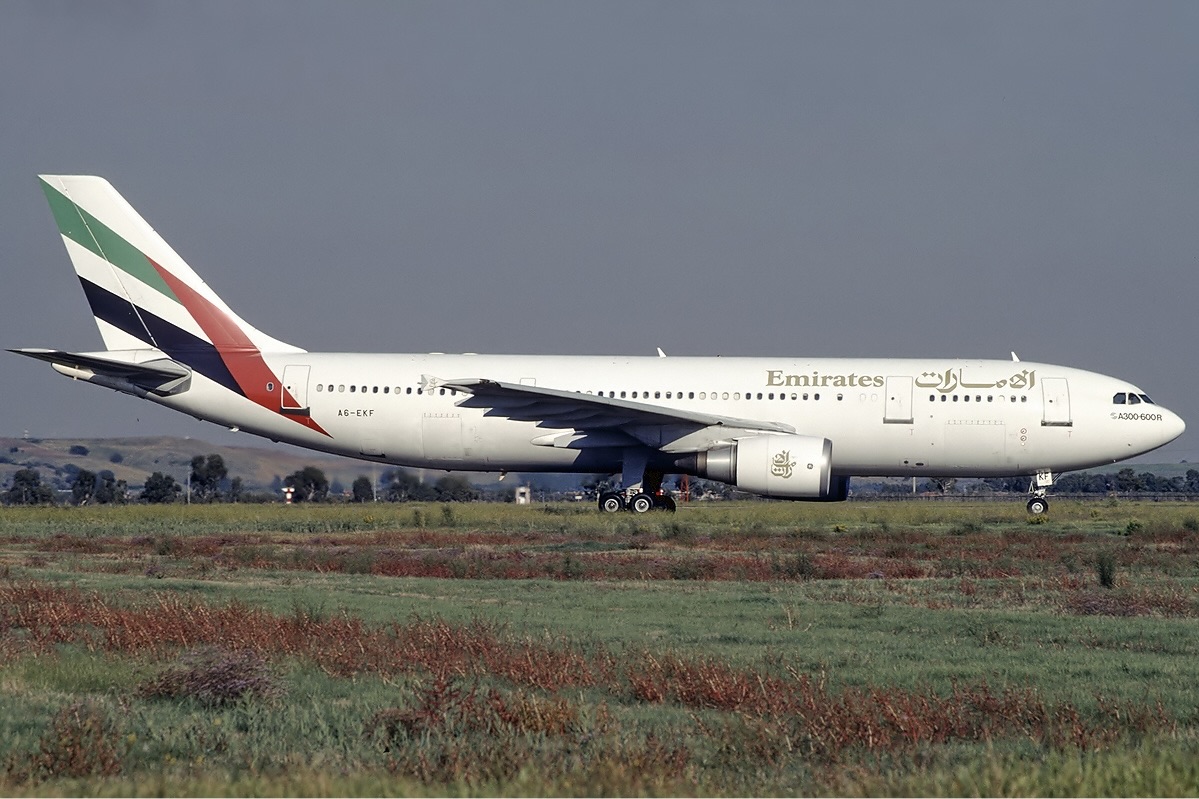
(781, 465)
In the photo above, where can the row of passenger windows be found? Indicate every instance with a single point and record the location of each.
(977, 398)
(704, 395)
(376, 389)
(1119, 399)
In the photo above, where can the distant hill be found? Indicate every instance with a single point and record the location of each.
(135, 459)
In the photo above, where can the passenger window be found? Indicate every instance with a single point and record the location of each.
(353, 388)
(374, 389)
(703, 395)
(320, 387)
(944, 398)
(815, 396)
(1119, 398)
(690, 395)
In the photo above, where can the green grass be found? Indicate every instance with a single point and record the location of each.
(908, 602)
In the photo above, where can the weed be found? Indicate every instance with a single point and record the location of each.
(213, 677)
(796, 566)
(447, 516)
(81, 742)
(1105, 569)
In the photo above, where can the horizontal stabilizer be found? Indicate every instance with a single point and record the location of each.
(160, 375)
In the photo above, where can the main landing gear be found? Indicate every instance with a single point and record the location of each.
(642, 492)
(1039, 487)
(640, 502)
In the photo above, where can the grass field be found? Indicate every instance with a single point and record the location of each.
(757, 648)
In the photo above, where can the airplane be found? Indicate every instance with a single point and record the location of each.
(787, 428)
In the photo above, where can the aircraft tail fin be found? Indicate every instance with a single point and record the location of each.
(142, 294)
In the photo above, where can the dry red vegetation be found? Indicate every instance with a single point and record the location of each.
(773, 714)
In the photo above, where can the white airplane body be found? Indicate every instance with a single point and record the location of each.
(787, 428)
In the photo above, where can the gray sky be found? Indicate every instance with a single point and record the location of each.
(825, 179)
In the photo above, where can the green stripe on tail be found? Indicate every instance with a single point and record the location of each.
(85, 230)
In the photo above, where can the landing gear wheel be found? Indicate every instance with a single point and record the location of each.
(611, 502)
(641, 503)
(663, 502)
(1038, 506)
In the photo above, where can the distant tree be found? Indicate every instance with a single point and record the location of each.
(206, 476)
(83, 489)
(310, 484)
(1127, 480)
(454, 488)
(28, 489)
(1192, 481)
(161, 488)
(403, 486)
(116, 457)
(237, 489)
(79, 449)
(109, 490)
(363, 490)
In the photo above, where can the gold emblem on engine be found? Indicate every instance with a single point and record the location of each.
(782, 465)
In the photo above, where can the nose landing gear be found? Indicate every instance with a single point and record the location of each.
(1039, 487)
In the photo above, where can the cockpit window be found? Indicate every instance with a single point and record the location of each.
(1133, 399)
(1119, 398)
(1145, 399)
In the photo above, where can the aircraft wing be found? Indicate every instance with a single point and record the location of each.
(161, 375)
(557, 408)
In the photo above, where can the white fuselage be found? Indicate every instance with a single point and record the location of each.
(883, 416)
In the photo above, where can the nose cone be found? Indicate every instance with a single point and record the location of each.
(1172, 426)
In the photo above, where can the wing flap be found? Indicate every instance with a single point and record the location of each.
(555, 407)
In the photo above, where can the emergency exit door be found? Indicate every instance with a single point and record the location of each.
(898, 406)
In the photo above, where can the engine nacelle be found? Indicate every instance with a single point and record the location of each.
(779, 465)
